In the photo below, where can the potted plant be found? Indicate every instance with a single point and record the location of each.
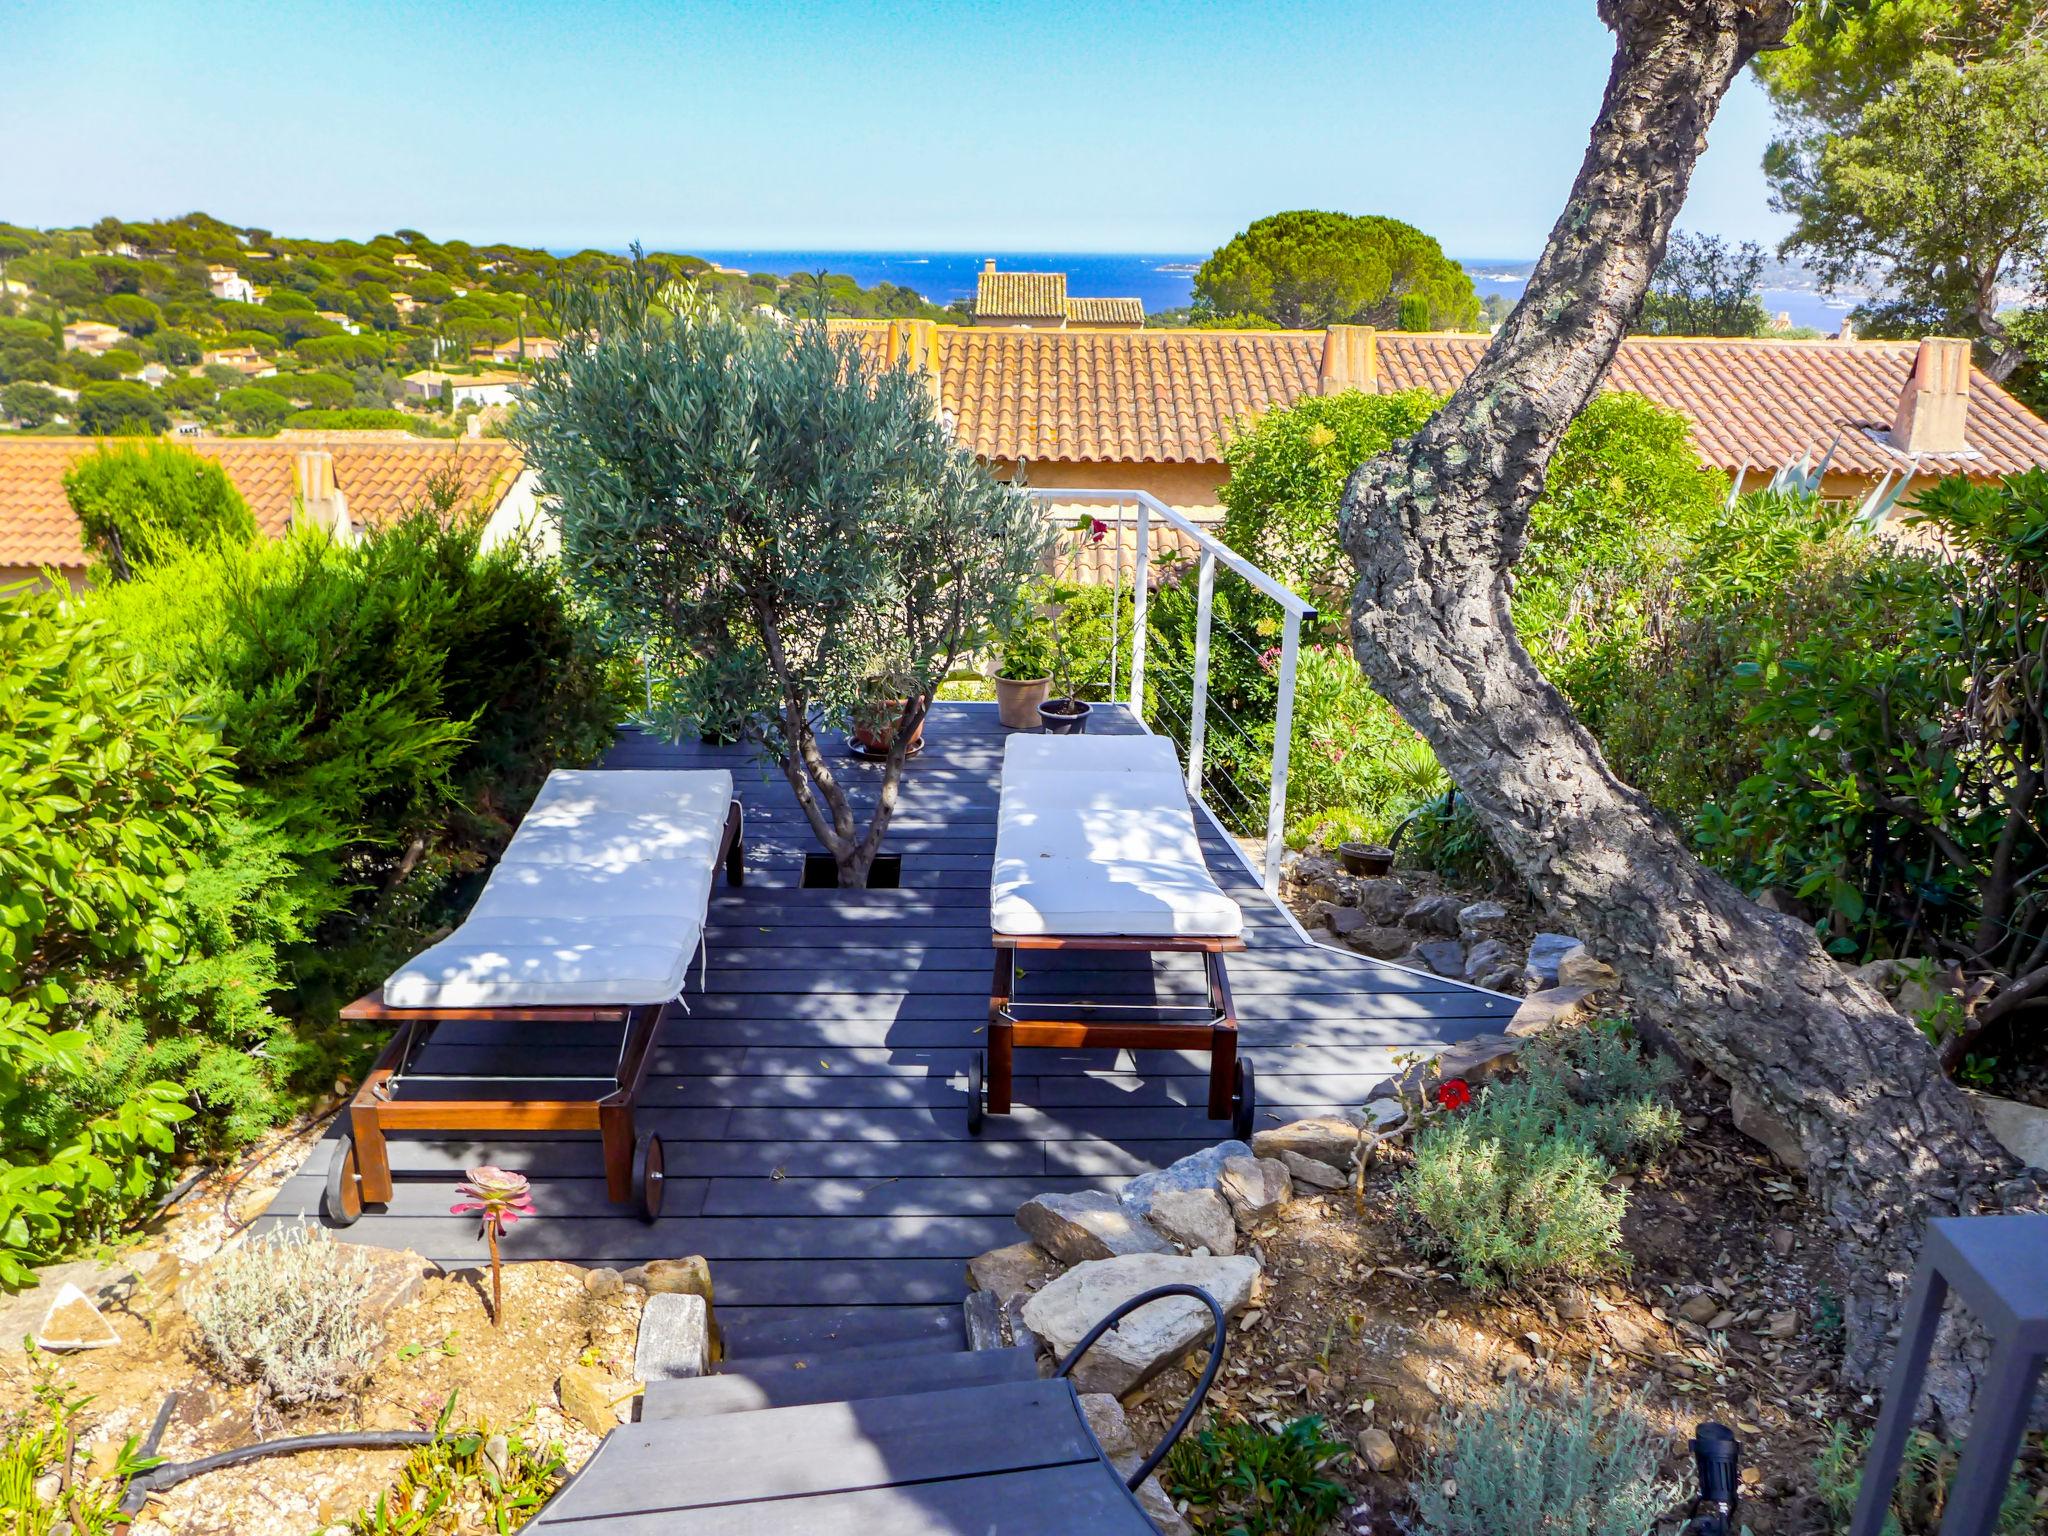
(1023, 670)
(875, 726)
(1065, 712)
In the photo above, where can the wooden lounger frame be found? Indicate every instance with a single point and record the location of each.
(362, 1173)
(1008, 1030)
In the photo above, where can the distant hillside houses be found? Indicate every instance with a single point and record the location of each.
(463, 388)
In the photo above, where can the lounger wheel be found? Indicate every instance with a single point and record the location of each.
(1244, 1103)
(344, 1198)
(650, 1175)
(977, 1094)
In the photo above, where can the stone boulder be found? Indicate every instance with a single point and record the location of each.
(1341, 921)
(1541, 1012)
(1444, 957)
(1475, 1060)
(1384, 901)
(1481, 920)
(1198, 1170)
(1432, 914)
(1112, 1431)
(1150, 1339)
(1580, 967)
(1486, 957)
(1090, 1225)
(592, 1397)
(1256, 1187)
(1016, 1270)
(1310, 1174)
(1194, 1218)
(675, 1337)
(1380, 942)
(1330, 1139)
(1545, 951)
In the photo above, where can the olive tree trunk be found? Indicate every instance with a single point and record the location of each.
(1434, 528)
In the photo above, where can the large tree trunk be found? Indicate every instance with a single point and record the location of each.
(1434, 528)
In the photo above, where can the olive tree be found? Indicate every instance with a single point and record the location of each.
(783, 528)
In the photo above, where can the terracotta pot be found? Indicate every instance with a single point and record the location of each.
(1064, 717)
(876, 738)
(1018, 698)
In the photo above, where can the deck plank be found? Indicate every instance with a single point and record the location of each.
(812, 1102)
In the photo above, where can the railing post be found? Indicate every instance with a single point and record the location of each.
(1283, 741)
(1140, 597)
(1198, 710)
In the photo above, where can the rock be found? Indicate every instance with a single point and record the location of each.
(1342, 921)
(1331, 1139)
(1306, 1170)
(1108, 1423)
(1481, 920)
(1700, 1307)
(1507, 979)
(1432, 914)
(2022, 1129)
(1919, 988)
(1384, 901)
(675, 1337)
(47, 1487)
(602, 1282)
(1762, 1125)
(1198, 1170)
(1377, 1449)
(591, 1397)
(1782, 1242)
(497, 1454)
(1545, 951)
(1475, 1060)
(1777, 899)
(1152, 1498)
(1090, 1225)
(1195, 1218)
(1579, 967)
(1552, 1008)
(72, 1322)
(1013, 1271)
(983, 1316)
(1445, 957)
(1782, 1325)
(1153, 1337)
(1256, 1188)
(1335, 888)
(1380, 942)
(678, 1277)
(1881, 974)
(1487, 957)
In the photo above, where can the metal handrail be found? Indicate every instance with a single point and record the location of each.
(1213, 551)
(1193, 1405)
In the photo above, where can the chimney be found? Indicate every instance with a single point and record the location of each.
(988, 264)
(1350, 360)
(321, 503)
(1933, 410)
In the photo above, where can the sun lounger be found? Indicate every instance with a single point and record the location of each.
(1096, 850)
(592, 917)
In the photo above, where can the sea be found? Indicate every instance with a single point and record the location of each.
(1167, 281)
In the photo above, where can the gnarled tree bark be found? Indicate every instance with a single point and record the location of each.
(1434, 528)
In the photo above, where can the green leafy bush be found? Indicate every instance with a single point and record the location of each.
(1517, 1185)
(1247, 1481)
(1517, 1463)
(1921, 1493)
(392, 705)
(138, 505)
(112, 797)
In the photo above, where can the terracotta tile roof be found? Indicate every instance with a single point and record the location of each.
(1762, 404)
(1105, 312)
(1020, 295)
(1162, 397)
(380, 478)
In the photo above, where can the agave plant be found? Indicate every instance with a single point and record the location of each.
(499, 1197)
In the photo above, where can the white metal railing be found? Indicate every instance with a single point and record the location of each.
(1144, 507)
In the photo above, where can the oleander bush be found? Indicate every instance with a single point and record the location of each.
(1517, 1462)
(1519, 1184)
(1240, 1479)
(1921, 1493)
(287, 1312)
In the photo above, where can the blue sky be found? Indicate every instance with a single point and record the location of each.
(955, 126)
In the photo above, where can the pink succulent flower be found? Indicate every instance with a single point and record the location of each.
(496, 1193)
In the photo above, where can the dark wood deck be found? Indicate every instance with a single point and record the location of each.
(813, 1102)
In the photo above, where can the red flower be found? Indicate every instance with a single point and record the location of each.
(1097, 530)
(1454, 1093)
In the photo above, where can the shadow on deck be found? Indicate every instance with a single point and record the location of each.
(812, 1099)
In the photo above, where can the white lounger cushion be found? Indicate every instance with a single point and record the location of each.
(1108, 854)
(599, 899)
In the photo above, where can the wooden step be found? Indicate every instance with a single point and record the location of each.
(834, 1379)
